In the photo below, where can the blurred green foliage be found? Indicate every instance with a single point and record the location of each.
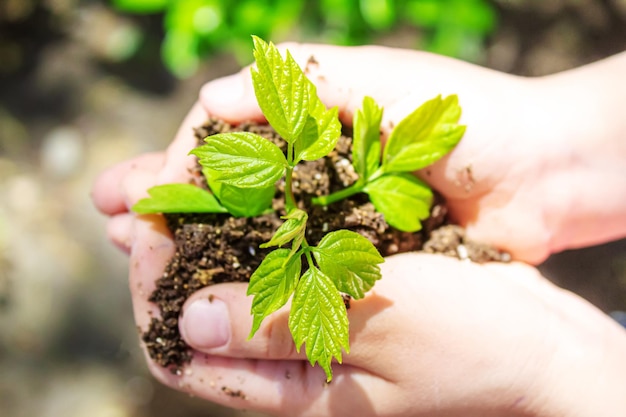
(197, 28)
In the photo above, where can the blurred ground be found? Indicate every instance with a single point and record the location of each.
(69, 108)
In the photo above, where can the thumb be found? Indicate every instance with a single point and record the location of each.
(217, 320)
(331, 68)
(395, 78)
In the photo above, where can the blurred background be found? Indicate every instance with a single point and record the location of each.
(85, 84)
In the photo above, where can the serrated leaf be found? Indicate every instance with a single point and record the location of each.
(242, 202)
(424, 136)
(281, 89)
(366, 138)
(318, 319)
(294, 226)
(242, 159)
(272, 284)
(402, 199)
(321, 131)
(178, 198)
(351, 260)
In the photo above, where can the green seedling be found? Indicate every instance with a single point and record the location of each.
(242, 170)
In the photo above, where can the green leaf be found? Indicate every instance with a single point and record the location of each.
(281, 89)
(242, 202)
(321, 131)
(178, 198)
(294, 226)
(242, 159)
(366, 140)
(351, 260)
(318, 318)
(272, 284)
(424, 136)
(402, 199)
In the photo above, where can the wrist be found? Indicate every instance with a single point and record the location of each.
(578, 125)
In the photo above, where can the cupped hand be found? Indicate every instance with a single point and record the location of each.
(435, 337)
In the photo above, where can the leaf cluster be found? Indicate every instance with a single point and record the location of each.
(343, 261)
(420, 139)
(242, 170)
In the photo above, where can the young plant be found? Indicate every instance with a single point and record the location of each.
(243, 168)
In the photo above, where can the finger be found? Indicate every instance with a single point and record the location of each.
(107, 192)
(119, 231)
(282, 388)
(135, 186)
(217, 320)
(231, 98)
(150, 245)
(150, 249)
(178, 161)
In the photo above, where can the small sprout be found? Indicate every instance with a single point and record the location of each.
(242, 170)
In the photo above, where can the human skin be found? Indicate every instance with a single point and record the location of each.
(483, 340)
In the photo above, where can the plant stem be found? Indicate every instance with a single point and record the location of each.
(355, 188)
(290, 200)
(307, 254)
(325, 200)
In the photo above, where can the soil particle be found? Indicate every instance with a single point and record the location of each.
(233, 393)
(217, 248)
(450, 240)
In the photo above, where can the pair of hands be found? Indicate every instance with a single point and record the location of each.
(436, 336)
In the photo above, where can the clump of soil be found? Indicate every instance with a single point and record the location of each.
(216, 248)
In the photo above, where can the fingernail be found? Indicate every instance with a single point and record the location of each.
(205, 324)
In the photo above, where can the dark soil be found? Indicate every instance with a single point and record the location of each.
(216, 248)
